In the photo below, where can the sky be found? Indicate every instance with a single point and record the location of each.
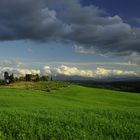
(85, 38)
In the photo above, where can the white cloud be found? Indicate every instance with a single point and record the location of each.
(70, 71)
(23, 72)
(102, 72)
(46, 70)
(98, 73)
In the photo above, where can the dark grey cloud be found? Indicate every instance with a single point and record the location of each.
(89, 27)
(27, 19)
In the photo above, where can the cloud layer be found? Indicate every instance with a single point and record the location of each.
(98, 73)
(68, 21)
(70, 71)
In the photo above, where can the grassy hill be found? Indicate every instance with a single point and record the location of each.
(72, 112)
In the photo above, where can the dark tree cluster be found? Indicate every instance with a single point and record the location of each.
(8, 78)
(28, 77)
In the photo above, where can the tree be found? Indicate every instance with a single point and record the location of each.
(37, 78)
(6, 77)
(51, 78)
(44, 78)
(11, 78)
(28, 77)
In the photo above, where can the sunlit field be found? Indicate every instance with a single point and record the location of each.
(66, 113)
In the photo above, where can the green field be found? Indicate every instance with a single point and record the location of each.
(71, 113)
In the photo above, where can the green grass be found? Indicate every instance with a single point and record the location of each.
(42, 86)
(72, 113)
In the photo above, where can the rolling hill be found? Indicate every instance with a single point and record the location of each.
(72, 112)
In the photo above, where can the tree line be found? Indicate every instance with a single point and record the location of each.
(28, 77)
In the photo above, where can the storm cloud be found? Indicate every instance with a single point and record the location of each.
(88, 27)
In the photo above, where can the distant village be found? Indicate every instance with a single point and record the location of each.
(28, 77)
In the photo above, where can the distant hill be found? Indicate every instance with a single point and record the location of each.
(129, 86)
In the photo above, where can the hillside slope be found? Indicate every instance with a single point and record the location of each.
(74, 112)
